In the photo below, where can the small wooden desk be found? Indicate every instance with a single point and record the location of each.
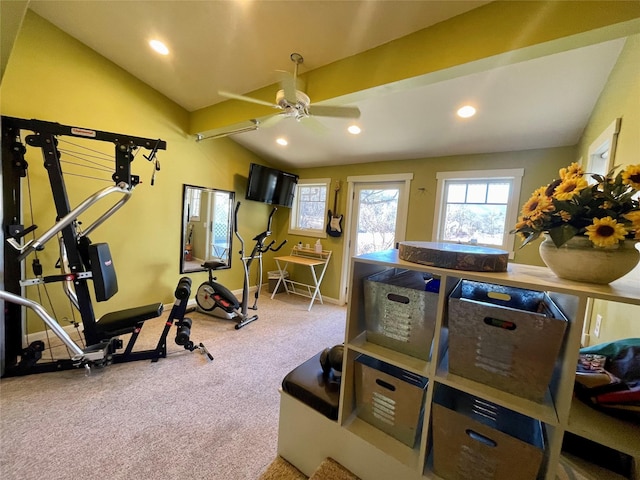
(317, 263)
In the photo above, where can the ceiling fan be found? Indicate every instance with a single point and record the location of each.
(292, 103)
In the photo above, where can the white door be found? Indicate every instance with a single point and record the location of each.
(377, 216)
(219, 223)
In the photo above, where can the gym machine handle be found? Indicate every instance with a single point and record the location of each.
(51, 322)
(70, 217)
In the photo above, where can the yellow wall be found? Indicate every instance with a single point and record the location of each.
(619, 99)
(539, 165)
(11, 15)
(53, 77)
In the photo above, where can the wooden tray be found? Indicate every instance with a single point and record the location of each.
(455, 256)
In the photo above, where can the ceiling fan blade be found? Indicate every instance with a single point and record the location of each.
(246, 99)
(334, 111)
(271, 120)
(241, 127)
(314, 125)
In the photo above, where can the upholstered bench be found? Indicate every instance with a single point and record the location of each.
(126, 321)
(310, 385)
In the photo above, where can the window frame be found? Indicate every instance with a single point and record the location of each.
(293, 218)
(195, 200)
(513, 175)
(606, 143)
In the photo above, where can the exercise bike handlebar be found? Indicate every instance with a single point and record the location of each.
(235, 227)
(273, 211)
(261, 237)
(270, 246)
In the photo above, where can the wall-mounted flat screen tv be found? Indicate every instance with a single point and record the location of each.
(270, 185)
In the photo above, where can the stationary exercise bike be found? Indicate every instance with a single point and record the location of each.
(211, 295)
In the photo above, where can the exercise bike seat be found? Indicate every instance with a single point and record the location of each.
(213, 264)
(125, 321)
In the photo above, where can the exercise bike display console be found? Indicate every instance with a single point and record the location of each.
(214, 298)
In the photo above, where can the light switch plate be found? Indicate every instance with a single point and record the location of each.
(596, 330)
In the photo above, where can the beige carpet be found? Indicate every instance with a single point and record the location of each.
(280, 469)
(329, 469)
(183, 417)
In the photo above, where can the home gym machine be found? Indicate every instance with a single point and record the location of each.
(80, 261)
(211, 295)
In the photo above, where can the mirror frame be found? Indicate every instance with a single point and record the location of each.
(184, 252)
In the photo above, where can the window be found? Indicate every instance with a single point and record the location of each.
(309, 209)
(477, 207)
(194, 204)
(602, 151)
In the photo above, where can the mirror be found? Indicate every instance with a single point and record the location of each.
(207, 227)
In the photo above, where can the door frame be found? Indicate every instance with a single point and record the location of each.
(401, 226)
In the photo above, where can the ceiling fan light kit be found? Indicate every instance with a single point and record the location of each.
(297, 108)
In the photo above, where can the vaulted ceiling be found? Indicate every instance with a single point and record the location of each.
(240, 46)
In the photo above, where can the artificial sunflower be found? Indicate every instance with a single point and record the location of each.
(607, 211)
(605, 232)
(634, 218)
(631, 176)
(537, 205)
(565, 216)
(573, 170)
(570, 187)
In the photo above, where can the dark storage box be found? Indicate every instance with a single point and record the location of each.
(400, 312)
(505, 337)
(390, 398)
(477, 440)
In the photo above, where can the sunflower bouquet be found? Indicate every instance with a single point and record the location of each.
(607, 211)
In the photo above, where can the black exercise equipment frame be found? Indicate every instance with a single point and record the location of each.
(14, 167)
(222, 297)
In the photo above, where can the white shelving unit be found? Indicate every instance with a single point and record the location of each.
(372, 454)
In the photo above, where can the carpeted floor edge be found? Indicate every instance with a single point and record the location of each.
(329, 469)
(280, 469)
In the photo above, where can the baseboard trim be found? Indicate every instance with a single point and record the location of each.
(42, 334)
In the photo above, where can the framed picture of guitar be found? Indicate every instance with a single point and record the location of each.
(334, 222)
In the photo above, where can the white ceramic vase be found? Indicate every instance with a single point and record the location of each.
(578, 259)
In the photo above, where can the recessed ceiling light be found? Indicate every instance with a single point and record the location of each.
(159, 47)
(282, 141)
(354, 129)
(466, 111)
